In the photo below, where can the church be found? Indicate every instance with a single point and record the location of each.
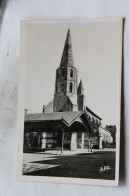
(66, 122)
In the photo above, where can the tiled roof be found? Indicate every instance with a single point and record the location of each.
(87, 109)
(67, 117)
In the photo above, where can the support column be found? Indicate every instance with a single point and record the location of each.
(28, 139)
(82, 140)
(39, 139)
(73, 145)
(44, 140)
(89, 144)
(100, 142)
(62, 147)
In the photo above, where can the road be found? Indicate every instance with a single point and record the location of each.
(97, 165)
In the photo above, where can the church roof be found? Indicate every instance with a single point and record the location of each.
(67, 56)
(88, 109)
(105, 130)
(67, 117)
(73, 99)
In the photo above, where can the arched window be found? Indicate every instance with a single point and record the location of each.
(71, 73)
(62, 88)
(71, 87)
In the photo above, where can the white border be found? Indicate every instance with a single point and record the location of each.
(21, 101)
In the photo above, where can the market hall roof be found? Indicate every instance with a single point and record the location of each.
(67, 117)
(56, 118)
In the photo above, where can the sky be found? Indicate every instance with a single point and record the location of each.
(96, 52)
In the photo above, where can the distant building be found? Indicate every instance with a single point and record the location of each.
(66, 121)
(112, 129)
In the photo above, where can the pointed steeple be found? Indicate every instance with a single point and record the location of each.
(67, 56)
(80, 90)
(65, 97)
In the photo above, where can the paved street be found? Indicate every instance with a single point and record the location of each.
(97, 165)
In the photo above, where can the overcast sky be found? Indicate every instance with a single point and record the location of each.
(96, 52)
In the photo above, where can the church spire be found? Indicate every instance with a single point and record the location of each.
(80, 90)
(67, 56)
(65, 97)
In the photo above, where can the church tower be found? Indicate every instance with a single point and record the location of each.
(81, 98)
(65, 97)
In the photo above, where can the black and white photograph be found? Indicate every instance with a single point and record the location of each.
(69, 101)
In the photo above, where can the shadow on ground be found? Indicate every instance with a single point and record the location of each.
(79, 166)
